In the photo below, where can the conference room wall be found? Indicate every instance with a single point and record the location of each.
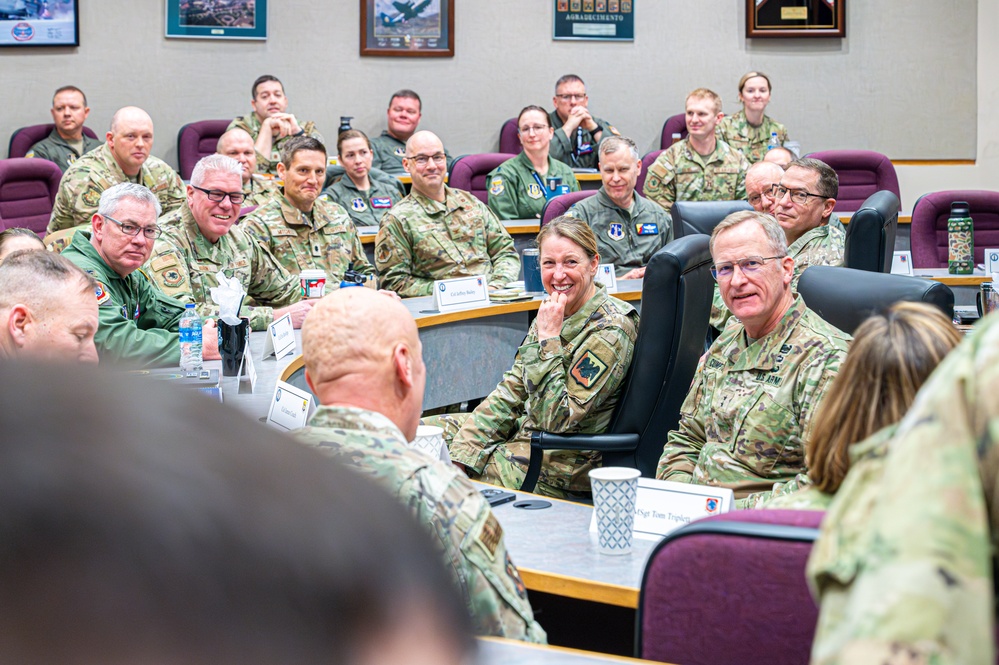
(904, 82)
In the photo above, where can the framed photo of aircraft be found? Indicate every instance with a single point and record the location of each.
(210, 19)
(796, 18)
(408, 28)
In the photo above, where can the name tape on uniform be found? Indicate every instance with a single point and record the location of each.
(280, 338)
(290, 408)
(662, 506)
(607, 277)
(901, 263)
(451, 295)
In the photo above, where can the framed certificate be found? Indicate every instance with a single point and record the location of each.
(408, 28)
(796, 18)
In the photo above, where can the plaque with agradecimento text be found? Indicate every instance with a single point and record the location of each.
(795, 18)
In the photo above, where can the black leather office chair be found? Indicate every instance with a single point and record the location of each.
(702, 216)
(870, 236)
(676, 300)
(845, 297)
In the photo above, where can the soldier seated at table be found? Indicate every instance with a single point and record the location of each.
(577, 133)
(748, 413)
(236, 143)
(66, 143)
(403, 117)
(202, 239)
(366, 193)
(629, 228)
(363, 360)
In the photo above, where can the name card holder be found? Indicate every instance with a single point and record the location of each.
(663, 505)
(901, 263)
(247, 374)
(607, 277)
(280, 338)
(452, 295)
(991, 261)
(291, 407)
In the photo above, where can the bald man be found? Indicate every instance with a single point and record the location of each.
(780, 156)
(363, 360)
(760, 181)
(48, 309)
(238, 144)
(124, 158)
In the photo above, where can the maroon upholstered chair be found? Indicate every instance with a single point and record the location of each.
(509, 141)
(196, 140)
(929, 225)
(469, 172)
(27, 191)
(646, 163)
(557, 206)
(861, 173)
(731, 589)
(22, 139)
(675, 124)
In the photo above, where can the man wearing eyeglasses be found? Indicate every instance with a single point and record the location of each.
(124, 158)
(437, 232)
(137, 321)
(201, 239)
(577, 133)
(403, 117)
(748, 413)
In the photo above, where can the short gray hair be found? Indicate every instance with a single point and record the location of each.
(34, 277)
(776, 238)
(112, 196)
(612, 144)
(215, 163)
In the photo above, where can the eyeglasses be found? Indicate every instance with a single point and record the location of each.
(151, 232)
(750, 264)
(798, 196)
(421, 160)
(533, 129)
(572, 98)
(217, 195)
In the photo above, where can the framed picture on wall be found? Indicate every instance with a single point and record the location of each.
(39, 23)
(216, 19)
(408, 28)
(796, 18)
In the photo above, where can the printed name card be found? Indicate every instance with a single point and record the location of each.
(280, 338)
(901, 263)
(991, 261)
(662, 506)
(247, 374)
(290, 408)
(607, 277)
(451, 295)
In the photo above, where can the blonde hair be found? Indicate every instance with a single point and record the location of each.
(891, 355)
(572, 229)
(752, 75)
(704, 93)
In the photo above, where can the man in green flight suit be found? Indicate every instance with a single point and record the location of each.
(202, 239)
(577, 133)
(137, 321)
(403, 117)
(363, 360)
(66, 143)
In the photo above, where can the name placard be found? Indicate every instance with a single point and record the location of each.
(247, 374)
(607, 277)
(290, 408)
(451, 295)
(280, 338)
(663, 506)
(991, 261)
(901, 263)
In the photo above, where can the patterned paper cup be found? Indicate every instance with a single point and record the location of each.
(614, 492)
(429, 440)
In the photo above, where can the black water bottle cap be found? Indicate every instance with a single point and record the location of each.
(960, 209)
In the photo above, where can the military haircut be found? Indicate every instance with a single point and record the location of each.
(112, 196)
(222, 139)
(828, 184)
(351, 134)
(704, 93)
(69, 88)
(264, 79)
(534, 107)
(215, 163)
(567, 78)
(298, 144)
(775, 233)
(749, 75)
(612, 144)
(19, 232)
(572, 229)
(406, 93)
(37, 277)
(175, 534)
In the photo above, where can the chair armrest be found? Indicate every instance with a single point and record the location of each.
(542, 441)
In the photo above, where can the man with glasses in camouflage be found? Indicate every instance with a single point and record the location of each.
(748, 413)
(137, 321)
(577, 133)
(201, 239)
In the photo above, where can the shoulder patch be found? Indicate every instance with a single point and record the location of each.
(496, 185)
(172, 278)
(358, 205)
(613, 130)
(534, 191)
(588, 369)
(102, 293)
(490, 535)
(400, 151)
(92, 196)
(615, 231)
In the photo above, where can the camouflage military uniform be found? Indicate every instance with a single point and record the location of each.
(446, 503)
(185, 266)
(388, 151)
(268, 163)
(749, 410)
(681, 174)
(626, 238)
(137, 322)
(517, 191)
(81, 187)
(421, 240)
(258, 191)
(822, 246)
(564, 384)
(327, 242)
(367, 208)
(57, 149)
(580, 150)
(749, 140)
(914, 583)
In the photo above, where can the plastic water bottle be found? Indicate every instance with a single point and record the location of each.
(190, 340)
(774, 142)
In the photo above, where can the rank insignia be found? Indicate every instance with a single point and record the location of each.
(358, 205)
(496, 186)
(534, 191)
(490, 535)
(588, 370)
(615, 231)
(102, 294)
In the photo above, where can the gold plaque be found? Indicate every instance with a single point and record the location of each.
(794, 13)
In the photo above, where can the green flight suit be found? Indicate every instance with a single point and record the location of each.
(579, 151)
(56, 149)
(366, 208)
(515, 192)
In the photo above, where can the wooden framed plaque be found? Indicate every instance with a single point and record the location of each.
(408, 28)
(796, 18)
